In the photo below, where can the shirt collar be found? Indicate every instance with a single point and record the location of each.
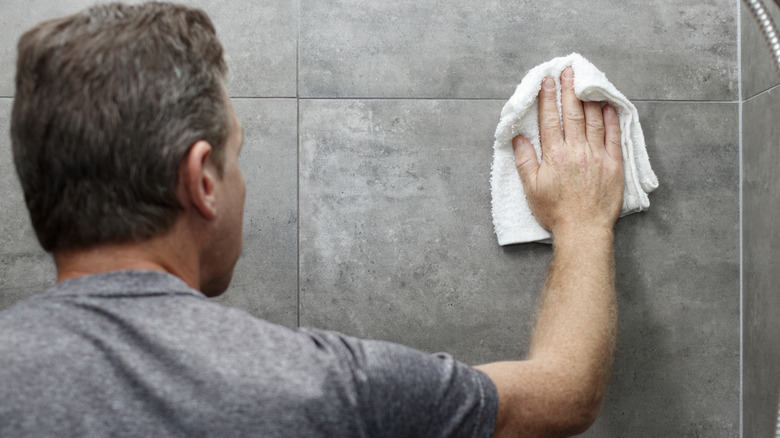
(118, 283)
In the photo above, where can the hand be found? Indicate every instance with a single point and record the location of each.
(579, 183)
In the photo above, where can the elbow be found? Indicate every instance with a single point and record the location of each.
(543, 399)
(578, 412)
(583, 419)
(576, 396)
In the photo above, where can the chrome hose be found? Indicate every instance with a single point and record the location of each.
(768, 27)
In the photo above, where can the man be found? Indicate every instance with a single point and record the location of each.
(127, 146)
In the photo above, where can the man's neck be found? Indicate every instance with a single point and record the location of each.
(156, 254)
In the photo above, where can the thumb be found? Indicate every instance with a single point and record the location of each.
(525, 160)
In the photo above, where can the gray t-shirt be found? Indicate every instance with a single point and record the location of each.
(139, 353)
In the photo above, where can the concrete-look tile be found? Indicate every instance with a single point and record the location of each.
(260, 39)
(265, 282)
(650, 50)
(396, 235)
(677, 365)
(25, 269)
(261, 42)
(761, 257)
(758, 69)
(397, 243)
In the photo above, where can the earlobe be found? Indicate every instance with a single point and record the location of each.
(200, 181)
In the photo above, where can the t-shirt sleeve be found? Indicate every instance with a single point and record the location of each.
(401, 392)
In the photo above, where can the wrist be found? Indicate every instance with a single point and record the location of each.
(581, 234)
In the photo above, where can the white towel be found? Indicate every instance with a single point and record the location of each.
(512, 216)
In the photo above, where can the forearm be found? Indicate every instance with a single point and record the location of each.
(575, 192)
(576, 322)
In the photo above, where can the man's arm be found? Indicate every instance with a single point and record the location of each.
(576, 194)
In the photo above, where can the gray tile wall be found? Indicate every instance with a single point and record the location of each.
(367, 160)
(761, 234)
(760, 230)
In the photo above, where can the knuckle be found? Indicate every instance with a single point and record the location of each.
(595, 124)
(557, 155)
(616, 145)
(550, 117)
(596, 158)
(521, 162)
(575, 116)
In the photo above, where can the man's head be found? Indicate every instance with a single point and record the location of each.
(107, 104)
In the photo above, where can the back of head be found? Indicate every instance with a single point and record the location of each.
(107, 103)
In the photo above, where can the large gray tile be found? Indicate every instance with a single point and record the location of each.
(261, 42)
(265, 282)
(683, 50)
(260, 39)
(761, 246)
(25, 269)
(758, 69)
(396, 242)
(677, 366)
(396, 239)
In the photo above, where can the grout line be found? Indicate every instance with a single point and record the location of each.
(298, 55)
(480, 99)
(741, 214)
(298, 206)
(477, 99)
(402, 98)
(762, 93)
(264, 97)
(298, 165)
(683, 101)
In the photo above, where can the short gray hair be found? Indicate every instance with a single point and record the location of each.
(107, 103)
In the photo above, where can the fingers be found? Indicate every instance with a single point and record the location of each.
(612, 136)
(525, 161)
(571, 108)
(594, 125)
(549, 121)
(583, 123)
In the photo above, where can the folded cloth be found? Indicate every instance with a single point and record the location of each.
(512, 216)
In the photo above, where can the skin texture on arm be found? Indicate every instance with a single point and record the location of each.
(576, 194)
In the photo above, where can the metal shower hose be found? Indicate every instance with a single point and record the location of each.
(768, 27)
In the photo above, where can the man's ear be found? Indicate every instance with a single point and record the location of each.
(199, 179)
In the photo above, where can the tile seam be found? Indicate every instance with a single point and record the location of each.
(298, 163)
(770, 88)
(297, 97)
(262, 97)
(504, 100)
(298, 206)
(741, 102)
(759, 94)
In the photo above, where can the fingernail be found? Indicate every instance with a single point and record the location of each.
(549, 84)
(518, 141)
(568, 73)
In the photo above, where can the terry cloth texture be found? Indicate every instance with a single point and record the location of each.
(138, 353)
(512, 216)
